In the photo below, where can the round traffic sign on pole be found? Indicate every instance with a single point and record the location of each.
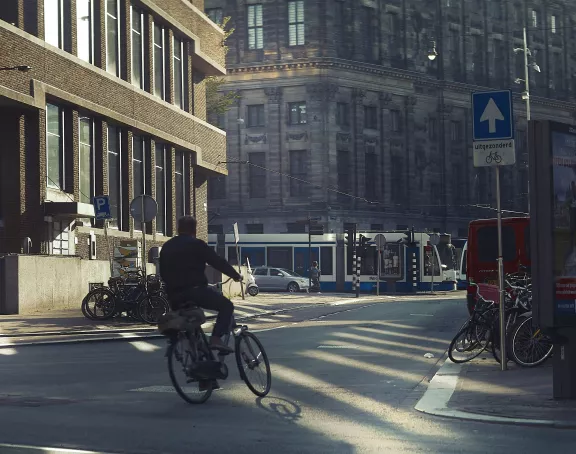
(143, 208)
(380, 241)
(434, 239)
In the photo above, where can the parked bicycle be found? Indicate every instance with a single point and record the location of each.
(526, 345)
(194, 367)
(140, 297)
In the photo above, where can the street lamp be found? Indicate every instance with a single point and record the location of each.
(526, 93)
(432, 52)
(21, 68)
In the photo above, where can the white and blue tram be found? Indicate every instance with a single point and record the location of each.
(403, 267)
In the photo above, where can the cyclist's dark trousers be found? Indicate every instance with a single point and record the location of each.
(208, 299)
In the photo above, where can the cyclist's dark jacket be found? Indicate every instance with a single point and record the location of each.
(183, 262)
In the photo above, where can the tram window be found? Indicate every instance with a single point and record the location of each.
(280, 257)
(256, 255)
(232, 257)
(369, 262)
(326, 262)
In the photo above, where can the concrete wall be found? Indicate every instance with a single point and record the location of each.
(31, 284)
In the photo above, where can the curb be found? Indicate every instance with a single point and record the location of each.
(442, 386)
(133, 335)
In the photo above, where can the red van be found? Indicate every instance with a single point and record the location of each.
(482, 257)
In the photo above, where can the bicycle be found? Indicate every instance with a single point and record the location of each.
(493, 156)
(189, 352)
(141, 297)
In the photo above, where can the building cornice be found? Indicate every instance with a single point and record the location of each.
(381, 71)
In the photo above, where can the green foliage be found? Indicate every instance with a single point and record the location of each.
(218, 102)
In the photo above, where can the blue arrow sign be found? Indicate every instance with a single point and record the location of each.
(102, 207)
(493, 118)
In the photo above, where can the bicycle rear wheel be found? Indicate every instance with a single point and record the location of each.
(250, 356)
(528, 346)
(181, 357)
(465, 346)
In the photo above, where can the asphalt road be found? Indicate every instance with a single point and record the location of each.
(344, 382)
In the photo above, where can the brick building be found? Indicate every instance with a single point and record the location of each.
(114, 103)
(342, 94)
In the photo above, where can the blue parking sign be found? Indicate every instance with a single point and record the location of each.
(102, 207)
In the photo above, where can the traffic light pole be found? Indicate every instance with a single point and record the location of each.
(358, 260)
(309, 253)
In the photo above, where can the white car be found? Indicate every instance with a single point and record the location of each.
(268, 278)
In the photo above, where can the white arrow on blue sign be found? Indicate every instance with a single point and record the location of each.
(102, 207)
(493, 118)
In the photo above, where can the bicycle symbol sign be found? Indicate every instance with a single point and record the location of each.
(488, 153)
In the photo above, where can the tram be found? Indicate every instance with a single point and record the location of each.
(404, 266)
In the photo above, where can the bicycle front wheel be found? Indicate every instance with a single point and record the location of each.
(181, 359)
(253, 364)
(152, 308)
(528, 346)
(465, 346)
(99, 304)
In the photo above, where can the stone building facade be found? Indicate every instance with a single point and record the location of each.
(344, 117)
(114, 103)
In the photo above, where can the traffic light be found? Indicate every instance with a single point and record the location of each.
(349, 242)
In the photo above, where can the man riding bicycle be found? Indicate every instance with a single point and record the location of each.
(182, 267)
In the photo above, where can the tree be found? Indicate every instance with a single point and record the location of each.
(218, 102)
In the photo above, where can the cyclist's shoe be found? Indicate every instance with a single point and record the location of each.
(217, 344)
(204, 385)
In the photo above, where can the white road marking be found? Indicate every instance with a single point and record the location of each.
(145, 346)
(268, 329)
(6, 351)
(422, 315)
(338, 346)
(14, 449)
(166, 389)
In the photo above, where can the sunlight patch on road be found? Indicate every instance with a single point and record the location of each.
(8, 351)
(372, 340)
(384, 332)
(16, 449)
(145, 346)
(378, 351)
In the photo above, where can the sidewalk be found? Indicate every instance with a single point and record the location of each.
(480, 391)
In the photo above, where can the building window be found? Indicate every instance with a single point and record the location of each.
(370, 117)
(297, 112)
(456, 131)
(519, 14)
(255, 27)
(553, 24)
(255, 228)
(257, 175)
(295, 227)
(53, 24)
(256, 116)
(159, 61)
(398, 181)
(86, 159)
(296, 23)
(182, 184)
(370, 168)
(60, 238)
(395, 123)
(496, 6)
(140, 166)
(161, 188)
(54, 147)
(85, 32)
(115, 176)
(298, 171)
(179, 73)
(535, 19)
(112, 37)
(343, 171)
(343, 114)
(215, 15)
(137, 24)
(432, 128)
(217, 188)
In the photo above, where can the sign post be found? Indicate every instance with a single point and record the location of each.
(493, 146)
(237, 240)
(102, 212)
(380, 241)
(144, 209)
